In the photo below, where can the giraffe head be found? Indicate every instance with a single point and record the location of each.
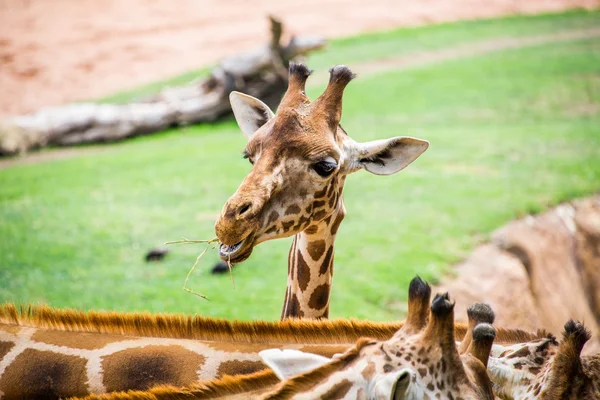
(420, 361)
(543, 368)
(300, 158)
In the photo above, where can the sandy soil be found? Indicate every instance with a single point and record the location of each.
(52, 52)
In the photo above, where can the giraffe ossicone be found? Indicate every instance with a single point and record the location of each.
(301, 157)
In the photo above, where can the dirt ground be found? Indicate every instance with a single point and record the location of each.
(52, 52)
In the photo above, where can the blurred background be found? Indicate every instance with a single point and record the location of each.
(508, 94)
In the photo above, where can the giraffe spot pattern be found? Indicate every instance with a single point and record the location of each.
(303, 271)
(319, 215)
(318, 204)
(319, 297)
(327, 261)
(272, 217)
(338, 391)
(44, 374)
(287, 225)
(336, 223)
(238, 367)
(142, 368)
(293, 308)
(321, 193)
(294, 209)
(316, 249)
(369, 371)
(5, 347)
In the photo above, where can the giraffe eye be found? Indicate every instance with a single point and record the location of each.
(324, 168)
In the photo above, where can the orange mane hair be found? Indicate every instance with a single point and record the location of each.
(202, 328)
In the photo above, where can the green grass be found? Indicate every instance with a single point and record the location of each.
(511, 132)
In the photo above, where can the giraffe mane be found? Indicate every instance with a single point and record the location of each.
(306, 381)
(195, 327)
(182, 326)
(225, 386)
(505, 335)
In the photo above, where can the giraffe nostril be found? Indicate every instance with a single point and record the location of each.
(243, 209)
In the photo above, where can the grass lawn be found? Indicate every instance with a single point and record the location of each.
(511, 132)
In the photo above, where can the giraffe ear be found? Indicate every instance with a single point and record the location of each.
(392, 385)
(388, 156)
(250, 113)
(287, 363)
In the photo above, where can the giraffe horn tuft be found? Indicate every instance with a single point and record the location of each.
(295, 94)
(329, 104)
(419, 295)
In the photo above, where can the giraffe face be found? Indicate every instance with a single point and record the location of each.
(295, 181)
(300, 158)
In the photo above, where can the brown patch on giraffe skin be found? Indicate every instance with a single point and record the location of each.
(272, 229)
(311, 230)
(303, 271)
(316, 249)
(301, 223)
(331, 188)
(145, 367)
(369, 371)
(234, 367)
(273, 217)
(518, 365)
(388, 368)
(333, 200)
(338, 391)
(319, 215)
(326, 262)
(321, 193)
(535, 370)
(422, 372)
(5, 348)
(336, 223)
(318, 204)
(293, 307)
(44, 374)
(319, 297)
(77, 340)
(287, 225)
(430, 387)
(12, 329)
(524, 352)
(293, 210)
(328, 219)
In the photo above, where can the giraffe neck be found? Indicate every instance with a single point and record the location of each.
(310, 269)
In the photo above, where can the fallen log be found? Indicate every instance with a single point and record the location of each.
(261, 72)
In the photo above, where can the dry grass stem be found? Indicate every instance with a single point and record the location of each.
(208, 243)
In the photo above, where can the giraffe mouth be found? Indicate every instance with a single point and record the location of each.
(236, 253)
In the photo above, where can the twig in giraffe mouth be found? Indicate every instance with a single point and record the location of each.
(208, 243)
